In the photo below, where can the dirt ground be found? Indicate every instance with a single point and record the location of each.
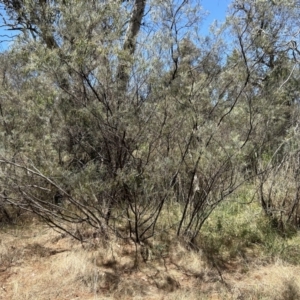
(37, 262)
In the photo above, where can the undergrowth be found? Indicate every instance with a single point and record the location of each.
(238, 228)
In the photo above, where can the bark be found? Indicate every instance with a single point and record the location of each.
(130, 41)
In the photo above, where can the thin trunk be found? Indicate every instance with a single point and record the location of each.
(130, 41)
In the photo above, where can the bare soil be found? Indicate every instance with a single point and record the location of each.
(37, 262)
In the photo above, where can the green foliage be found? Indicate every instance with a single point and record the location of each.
(239, 230)
(109, 117)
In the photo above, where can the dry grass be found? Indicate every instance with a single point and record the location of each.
(38, 263)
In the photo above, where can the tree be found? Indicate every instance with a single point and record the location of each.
(99, 116)
(266, 33)
(126, 108)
